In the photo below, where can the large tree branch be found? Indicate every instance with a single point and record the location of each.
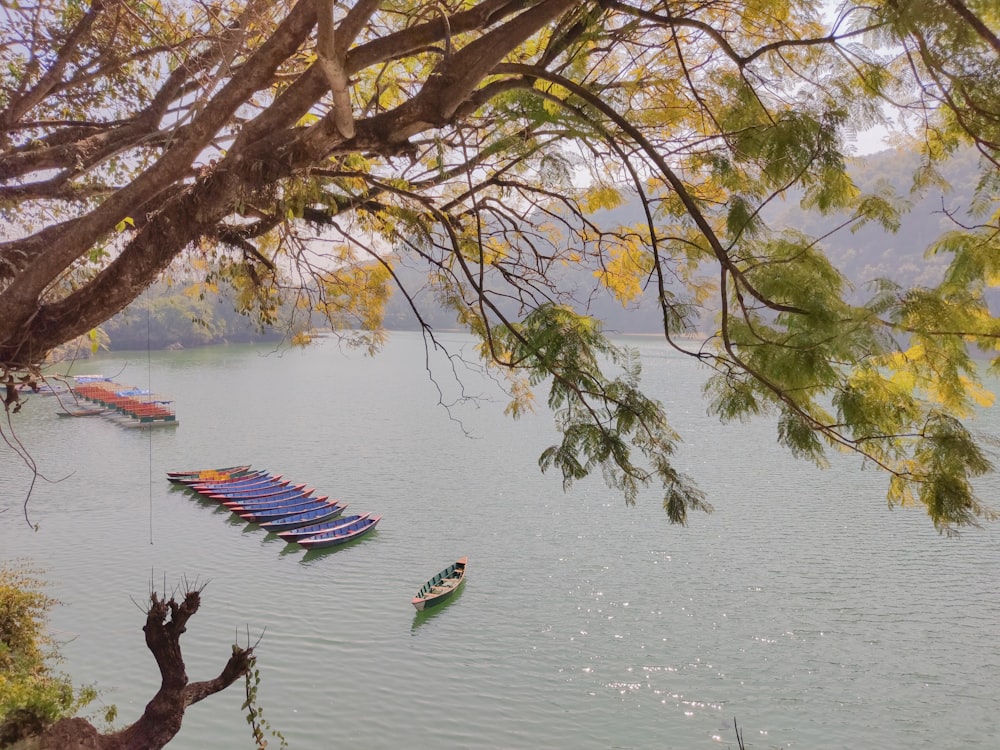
(976, 23)
(308, 88)
(451, 84)
(196, 211)
(62, 243)
(238, 665)
(84, 146)
(331, 62)
(18, 106)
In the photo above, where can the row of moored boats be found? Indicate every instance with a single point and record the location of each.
(292, 512)
(280, 506)
(128, 406)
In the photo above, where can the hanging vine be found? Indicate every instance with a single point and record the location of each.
(260, 728)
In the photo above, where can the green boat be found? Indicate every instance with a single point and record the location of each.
(441, 586)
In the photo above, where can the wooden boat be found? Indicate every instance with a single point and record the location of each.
(246, 491)
(442, 585)
(268, 503)
(252, 476)
(41, 389)
(341, 534)
(273, 514)
(306, 518)
(301, 532)
(260, 492)
(208, 474)
(265, 496)
(232, 480)
(81, 411)
(237, 483)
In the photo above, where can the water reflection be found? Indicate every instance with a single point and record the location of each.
(423, 616)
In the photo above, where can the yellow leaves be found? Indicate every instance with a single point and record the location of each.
(627, 266)
(917, 370)
(355, 296)
(901, 486)
(200, 289)
(494, 250)
(94, 340)
(522, 399)
(122, 225)
(492, 350)
(992, 277)
(978, 394)
(601, 198)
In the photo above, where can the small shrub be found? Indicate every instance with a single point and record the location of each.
(32, 694)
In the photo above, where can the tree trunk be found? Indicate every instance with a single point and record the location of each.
(166, 621)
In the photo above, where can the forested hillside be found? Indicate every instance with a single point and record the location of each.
(172, 316)
(872, 252)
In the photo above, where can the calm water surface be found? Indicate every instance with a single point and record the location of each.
(802, 607)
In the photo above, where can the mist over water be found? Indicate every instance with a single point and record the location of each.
(802, 607)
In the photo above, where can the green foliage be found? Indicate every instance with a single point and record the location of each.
(259, 726)
(32, 695)
(602, 419)
(835, 378)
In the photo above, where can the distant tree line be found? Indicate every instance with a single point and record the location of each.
(170, 317)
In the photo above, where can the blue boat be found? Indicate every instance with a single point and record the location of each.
(266, 503)
(235, 484)
(273, 514)
(306, 518)
(293, 535)
(217, 493)
(250, 480)
(341, 534)
(262, 491)
(232, 479)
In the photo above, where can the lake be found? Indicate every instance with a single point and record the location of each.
(803, 608)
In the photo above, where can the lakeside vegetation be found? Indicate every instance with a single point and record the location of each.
(33, 694)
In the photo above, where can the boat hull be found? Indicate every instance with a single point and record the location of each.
(250, 478)
(208, 473)
(303, 532)
(341, 534)
(260, 493)
(306, 518)
(273, 514)
(232, 485)
(442, 586)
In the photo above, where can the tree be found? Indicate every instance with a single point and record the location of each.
(37, 706)
(316, 148)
